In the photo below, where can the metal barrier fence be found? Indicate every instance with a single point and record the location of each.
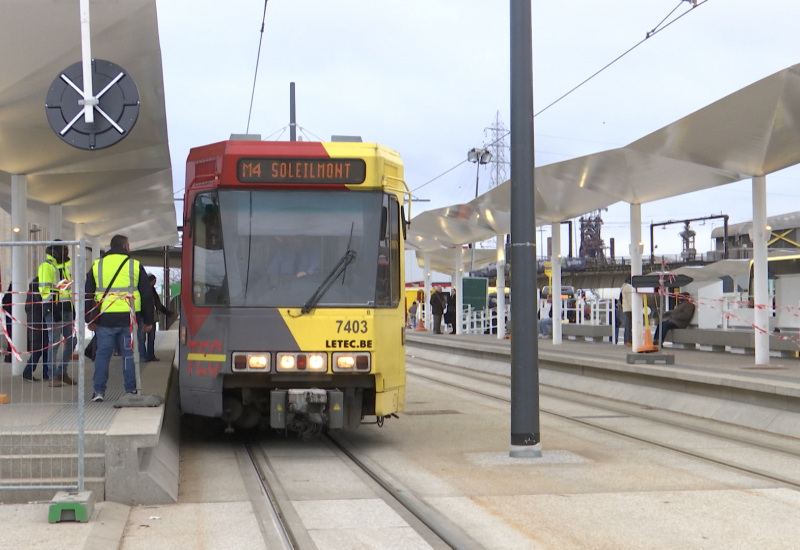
(42, 422)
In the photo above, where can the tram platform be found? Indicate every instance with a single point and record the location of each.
(630, 495)
(727, 387)
(131, 453)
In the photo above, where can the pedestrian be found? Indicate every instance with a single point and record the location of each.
(626, 297)
(37, 333)
(55, 282)
(546, 323)
(7, 314)
(412, 314)
(676, 318)
(450, 314)
(438, 303)
(150, 344)
(116, 289)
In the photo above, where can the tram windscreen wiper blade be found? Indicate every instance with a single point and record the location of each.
(340, 267)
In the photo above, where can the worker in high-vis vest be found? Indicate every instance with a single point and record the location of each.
(118, 294)
(55, 287)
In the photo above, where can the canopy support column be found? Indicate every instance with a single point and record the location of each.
(56, 222)
(555, 290)
(501, 287)
(19, 270)
(760, 234)
(458, 318)
(636, 249)
(426, 304)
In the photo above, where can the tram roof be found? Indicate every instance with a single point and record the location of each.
(125, 188)
(790, 220)
(752, 132)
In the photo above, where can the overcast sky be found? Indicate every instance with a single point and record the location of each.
(429, 77)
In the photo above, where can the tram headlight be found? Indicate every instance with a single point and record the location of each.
(308, 362)
(286, 361)
(258, 362)
(352, 362)
(245, 361)
(317, 362)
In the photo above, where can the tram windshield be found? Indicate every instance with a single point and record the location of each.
(274, 248)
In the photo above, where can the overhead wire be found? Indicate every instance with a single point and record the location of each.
(258, 58)
(658, 28)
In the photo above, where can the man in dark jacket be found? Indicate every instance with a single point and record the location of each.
(438, 303)
(117, 289)
(150, 337)
(37, 333)
(676, 318)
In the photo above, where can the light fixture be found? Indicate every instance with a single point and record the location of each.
(16, 229)
(478, 157)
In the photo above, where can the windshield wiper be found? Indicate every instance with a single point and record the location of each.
(340, 267)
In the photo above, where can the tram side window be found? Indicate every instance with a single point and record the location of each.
(388, 284)
(209, 286)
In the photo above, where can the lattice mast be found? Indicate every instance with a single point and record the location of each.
(499, 149)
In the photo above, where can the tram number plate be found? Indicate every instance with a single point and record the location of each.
(352, 327)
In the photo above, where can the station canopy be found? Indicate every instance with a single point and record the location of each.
(752, 132)
(125, 188)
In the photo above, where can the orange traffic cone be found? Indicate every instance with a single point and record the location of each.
(420, 327)
(648, 346)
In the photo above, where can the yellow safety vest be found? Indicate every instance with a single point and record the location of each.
(126, 284)
(50, 274)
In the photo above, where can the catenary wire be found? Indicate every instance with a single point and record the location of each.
(658, 28)
(258, 57)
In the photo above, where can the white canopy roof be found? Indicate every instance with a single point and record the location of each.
(126, 188)
(752, 132)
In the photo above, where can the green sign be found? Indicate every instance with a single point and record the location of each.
(475, 292)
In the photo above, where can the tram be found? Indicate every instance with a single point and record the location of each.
(292, 305)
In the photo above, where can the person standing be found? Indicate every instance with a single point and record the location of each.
(438, 303)
(37, 333)
(412, 314)
(55, 284)
(150, 344)
(117, 289)
(7, 314)
(546, 323)
(626, 297)
(450, 315)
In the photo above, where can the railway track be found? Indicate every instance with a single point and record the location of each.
(283, 526)
(770, 457)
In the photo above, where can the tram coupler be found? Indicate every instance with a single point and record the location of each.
(319, 406)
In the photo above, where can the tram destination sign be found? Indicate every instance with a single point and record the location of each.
(302, 170)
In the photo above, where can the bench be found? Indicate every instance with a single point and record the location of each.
(590, 333)
(785, 344)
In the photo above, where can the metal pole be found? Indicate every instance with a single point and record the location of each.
(477, 175)
(525, 436)
(292, 114)
(88, 100)
(80, 326)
